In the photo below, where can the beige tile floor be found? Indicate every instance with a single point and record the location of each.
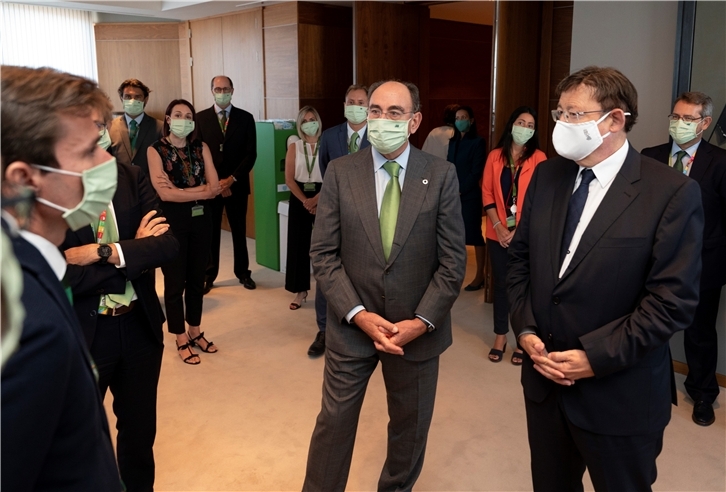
(242, 419)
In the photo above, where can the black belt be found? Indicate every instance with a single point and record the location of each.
(119, 310)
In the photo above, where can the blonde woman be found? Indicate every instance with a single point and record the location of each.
(303, 177)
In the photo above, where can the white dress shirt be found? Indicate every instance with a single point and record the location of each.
(50, 252)
(605, 172)
(691, 151)
(361, 132)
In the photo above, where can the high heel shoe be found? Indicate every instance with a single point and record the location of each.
(499, 354)
(472, 287)
(295, 304)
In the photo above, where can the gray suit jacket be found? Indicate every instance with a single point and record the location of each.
(150, 130)
(426, 267)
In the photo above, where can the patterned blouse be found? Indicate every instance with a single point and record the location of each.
(182, 171)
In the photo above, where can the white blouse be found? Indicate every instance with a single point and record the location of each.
(301, 170)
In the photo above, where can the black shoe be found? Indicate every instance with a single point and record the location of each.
(703, 413)
(248, 283)
(318, 346)
(207, 287)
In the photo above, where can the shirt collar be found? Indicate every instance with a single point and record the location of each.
(379, 160)
(137, 119)
(217, 109)
(606, 170)
(50, 252)
(691, 151)
(361, 132)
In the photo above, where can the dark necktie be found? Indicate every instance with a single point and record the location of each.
(133, 133)
(678, 162)
(574, 211)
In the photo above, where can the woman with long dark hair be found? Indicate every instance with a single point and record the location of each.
(467, 151)
(182, 172)
(507, 173)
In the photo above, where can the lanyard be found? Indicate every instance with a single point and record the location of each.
(515, 171)
(101, 226)
(307, 161)
(687, 167)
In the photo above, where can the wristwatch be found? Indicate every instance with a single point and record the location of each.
(104, 252)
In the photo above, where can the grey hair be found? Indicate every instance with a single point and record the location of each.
(698, 99)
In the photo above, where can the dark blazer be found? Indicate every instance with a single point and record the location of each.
(134, 198)
(709, 170)
(150, 130)
(239, 151)
(468, 155)
(632, 284)
(334, 144)
(54, 430)
(426, 265)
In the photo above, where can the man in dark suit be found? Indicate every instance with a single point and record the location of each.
(346, 138)
(388, 250)
(603, 270)
(114, 294)
(133, 132)
(706, 164)
(230, 134)
(54, 429)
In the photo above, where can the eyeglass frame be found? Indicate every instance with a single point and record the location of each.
(222, 90)
(557, 113)
(676, 117)
(371, 112)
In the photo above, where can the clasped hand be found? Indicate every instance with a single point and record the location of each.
(389, 337)
(561, 367)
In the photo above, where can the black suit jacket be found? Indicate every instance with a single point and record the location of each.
(54, 429)
(632, 284)
(134, 198)
(334, 144)
(709, 170)
(150, 130)
(239, 151)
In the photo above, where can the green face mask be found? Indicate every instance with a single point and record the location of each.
(181, 128)
(310, 128)
(223, 99)
(463, 125)
(133, 108)
(356, 114)
(521, 135)
(104, 139)
(683, 132)
(12, 288)
(99, 186)
(387, 136)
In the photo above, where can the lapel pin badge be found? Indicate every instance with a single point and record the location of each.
(425, 181)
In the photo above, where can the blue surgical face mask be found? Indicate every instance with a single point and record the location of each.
(463, 125)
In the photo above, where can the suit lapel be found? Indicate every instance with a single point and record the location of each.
(363, 189)
(125, 138)
(412, 197)
(702, 162)
(559, 214)
(618, 198)
(343, 139)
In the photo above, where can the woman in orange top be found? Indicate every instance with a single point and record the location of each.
(507, 173)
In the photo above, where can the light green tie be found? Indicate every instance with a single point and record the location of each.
(353, 146)
(111, 236)
(678, 162)
(389, 207)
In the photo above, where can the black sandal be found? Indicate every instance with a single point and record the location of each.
(517, 358)
(499, 354)
(193, 342)
(186, 346)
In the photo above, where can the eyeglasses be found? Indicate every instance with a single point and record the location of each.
(222, 90)
(101, 126)
(391, 115)
(137, 97)
(558, 114)
(686, 118)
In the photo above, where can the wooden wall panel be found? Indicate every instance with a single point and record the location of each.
(207, 53)
(283, 14)
(185, 66)
(148, 52)
(243, 59)
(561, 47)
(282, 108)
(281, 69)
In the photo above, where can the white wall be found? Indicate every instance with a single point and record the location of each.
(639, 39)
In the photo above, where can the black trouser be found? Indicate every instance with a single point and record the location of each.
(700, 341)
(184, 276)
(236, 207)
(299, 231)
(128, 358)
(560, 451)
(498, 255)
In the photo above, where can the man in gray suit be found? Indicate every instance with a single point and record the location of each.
(388, 250)
(134, 131)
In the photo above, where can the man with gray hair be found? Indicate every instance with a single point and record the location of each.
(388, 251)
(689, 154)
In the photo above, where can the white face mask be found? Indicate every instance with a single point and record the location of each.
(576, 141)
